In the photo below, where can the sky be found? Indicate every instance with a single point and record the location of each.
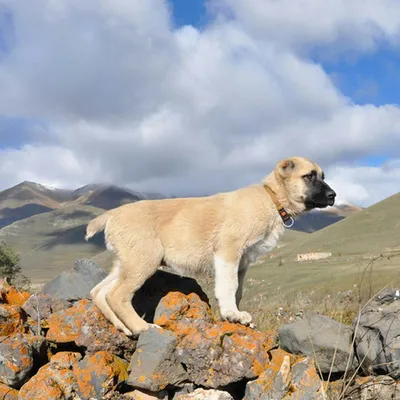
(196, 97)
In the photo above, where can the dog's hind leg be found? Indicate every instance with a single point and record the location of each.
(131, 278)
(99, 294)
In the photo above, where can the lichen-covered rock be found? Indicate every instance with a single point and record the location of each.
(11, 295)
(201, 394)
(16, 361)
(40, 306)
(99, 374)
(77, 282)
(12, 320)
(55, 380)
(85, 325)
(287, 379)
(153, 366)
(69, 377)
(214, 354)
(177, 310)
(323, 338)
(8, 393)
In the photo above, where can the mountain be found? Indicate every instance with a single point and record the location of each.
(24, 200)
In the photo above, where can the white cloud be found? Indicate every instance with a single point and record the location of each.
(128, 99)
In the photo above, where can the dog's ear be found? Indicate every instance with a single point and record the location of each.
(285, 167)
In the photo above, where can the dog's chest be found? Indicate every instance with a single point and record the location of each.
(263, 246)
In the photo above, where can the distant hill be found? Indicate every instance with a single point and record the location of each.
(24, 200)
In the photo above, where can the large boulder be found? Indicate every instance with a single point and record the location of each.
(326, 340)
(40, 306)
(377, 333)
(214, 353)
(77, 282)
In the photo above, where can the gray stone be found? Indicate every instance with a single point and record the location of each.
(322, 338)
(77, 282)
(19, 354)
(40, 306)
(185, 389)
(153, 365)
(202, 394)
(378, 339)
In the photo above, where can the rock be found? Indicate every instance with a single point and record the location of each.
(99, 374)
(76, 283)
(214, 354)
(159, 285)
(68, 377)
(185, 389)
(378, 338)
(85, 325)
(183, 313)
(287, 379)
(12, 320)
(55, 380)
(8, 393)
(11, 295)
(18, 356)
(40, 306)
(146, 395)
(371, 388)
(153, 366)
(323, 338)
(201, 394)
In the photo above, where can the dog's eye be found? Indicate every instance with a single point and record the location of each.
(308, 176)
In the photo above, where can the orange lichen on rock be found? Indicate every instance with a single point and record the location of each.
(65, 326)
(12, 319)
(8, 393)
(11, 295)
(99, 374)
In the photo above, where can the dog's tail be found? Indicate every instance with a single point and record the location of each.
(96, 225)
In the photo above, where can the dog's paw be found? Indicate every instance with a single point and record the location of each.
(242, 317)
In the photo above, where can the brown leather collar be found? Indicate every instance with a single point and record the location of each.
(282, 212)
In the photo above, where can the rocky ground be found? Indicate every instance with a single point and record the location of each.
(56, 344)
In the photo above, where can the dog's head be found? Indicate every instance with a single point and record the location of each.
(303, 184)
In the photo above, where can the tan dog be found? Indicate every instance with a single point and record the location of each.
(225, 231)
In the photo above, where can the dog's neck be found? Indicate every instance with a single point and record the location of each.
(278, 190)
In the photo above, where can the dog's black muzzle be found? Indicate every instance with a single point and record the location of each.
(321, 195)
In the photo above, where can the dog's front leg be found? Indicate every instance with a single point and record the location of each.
(226, 286)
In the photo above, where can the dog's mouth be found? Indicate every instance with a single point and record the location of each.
(320, 202)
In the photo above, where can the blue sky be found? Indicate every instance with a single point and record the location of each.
(170, 104)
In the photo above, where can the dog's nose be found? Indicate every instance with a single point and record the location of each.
(330, 194)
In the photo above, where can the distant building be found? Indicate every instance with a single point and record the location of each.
(312, 256)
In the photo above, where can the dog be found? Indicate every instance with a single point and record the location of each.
(226, 231)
